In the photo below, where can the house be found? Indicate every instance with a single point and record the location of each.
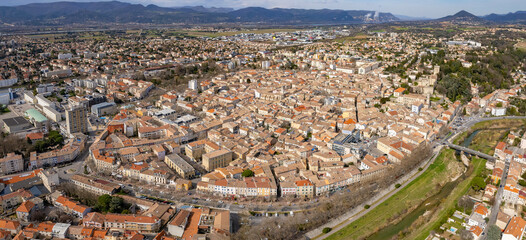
(72, 207)
(94, 220)
(23, 212)
(502, 220)
(515, 229)
(477, 216)
(476, 231)
(178, 224)
(9, 225)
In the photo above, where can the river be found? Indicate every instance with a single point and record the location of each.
(429, 204)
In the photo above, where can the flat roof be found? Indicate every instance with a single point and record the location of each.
(103, 104)
(33, 113)
(15, 121)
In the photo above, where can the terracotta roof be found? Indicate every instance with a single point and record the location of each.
(25, 207)
(180, 219)
(35, 136)
(122, 218)
(303, 183)
(192, 226)
(20, 177)
(9, 224)
(515, 227)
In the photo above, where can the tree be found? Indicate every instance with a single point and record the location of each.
(493, 233)
(466, 203)
(116, 205)
(465, 234)
(478, 183)
(247, 173)
(103, 202)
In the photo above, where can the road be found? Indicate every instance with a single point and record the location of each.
(359, 211)
(463, 125)
(498, 199)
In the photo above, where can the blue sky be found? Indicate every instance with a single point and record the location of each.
(415, 8)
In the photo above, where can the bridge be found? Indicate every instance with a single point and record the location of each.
(471, 151)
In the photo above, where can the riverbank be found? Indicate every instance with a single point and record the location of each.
(394, 209)
(438, 216)
(496, 125)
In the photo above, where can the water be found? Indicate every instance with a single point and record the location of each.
(468, 140)
(429, 204)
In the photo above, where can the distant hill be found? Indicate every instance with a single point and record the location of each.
(205, 9)
(516, 17)
(62, 13)
(409, 18)
(462, 17)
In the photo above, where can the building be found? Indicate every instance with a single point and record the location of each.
(38, 120)
(8, 82)
(515, 229)
(181, 167)
(178, 224)
(304, 188)
(193, 84)
(217, 159)
(23, 212)
(11, 163)
(197, 223)
(52, 114)
(16, 124)
(95, 185)
(11, 226)
(76, 120)
(131, 222)
(104, 108)
(69, 206)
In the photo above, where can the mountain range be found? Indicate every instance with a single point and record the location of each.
(59, 13)
(63, 13)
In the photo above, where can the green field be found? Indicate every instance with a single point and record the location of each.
(448, 205)
(439, 172)
(359, 36)
(491, 132)
(232, 33)
(521, 45)
(486, 140)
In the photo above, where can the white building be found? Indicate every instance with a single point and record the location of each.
(65, 56)
(44, 102)
(52, 114)
(193, 84)
(8, 82)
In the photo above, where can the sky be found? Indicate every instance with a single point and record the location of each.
(414, 8)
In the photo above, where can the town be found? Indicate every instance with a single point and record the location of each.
(113, 135)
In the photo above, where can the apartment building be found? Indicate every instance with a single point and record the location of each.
(11, 163)
(131, 222)
(95, 185)
(181, 167)
(217, 159)
(76, 120)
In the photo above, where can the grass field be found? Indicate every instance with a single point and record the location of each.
(359, 36)
(521, 45)
(439, 172)
(449, 204)
(485, 141)
(220, 34)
